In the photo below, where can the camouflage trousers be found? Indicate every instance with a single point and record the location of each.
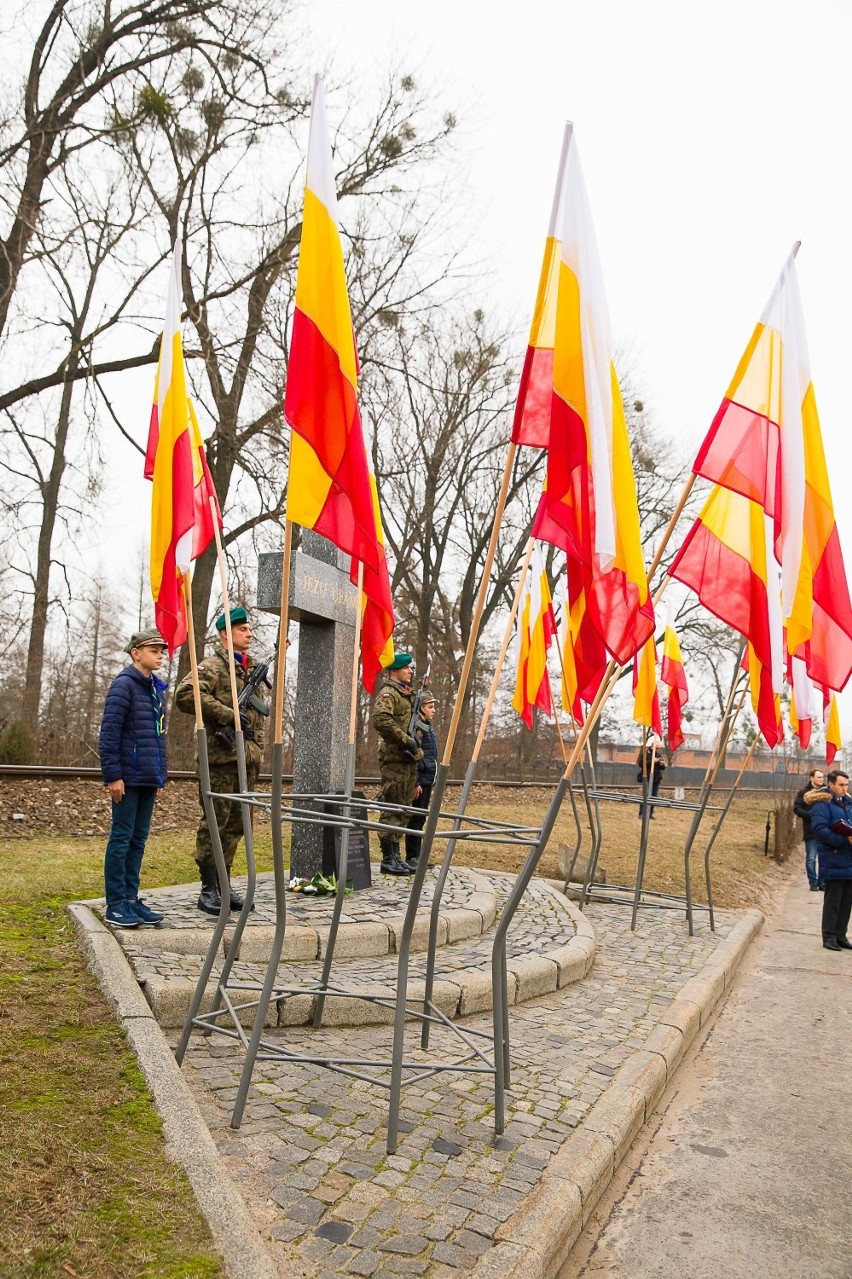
(398, 782)
(229, 815)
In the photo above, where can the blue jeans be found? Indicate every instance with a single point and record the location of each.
(131, 821)
(811, 862)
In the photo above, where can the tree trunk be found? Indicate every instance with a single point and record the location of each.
(50, 493)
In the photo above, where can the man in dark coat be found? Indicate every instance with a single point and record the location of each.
(399, 755)
(653, 768)
(217, 711)
(816, 781)
(132, 750)
(426, 769)
(829, 810)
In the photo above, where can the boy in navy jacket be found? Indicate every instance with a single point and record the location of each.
(132, 748)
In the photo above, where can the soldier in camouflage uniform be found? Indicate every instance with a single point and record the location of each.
(398, 756)
(218, 712)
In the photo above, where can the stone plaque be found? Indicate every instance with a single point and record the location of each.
(358, 873)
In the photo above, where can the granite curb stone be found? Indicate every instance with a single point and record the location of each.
(545, 1228)
(188, 1139)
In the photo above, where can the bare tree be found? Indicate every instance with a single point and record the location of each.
(81, 52)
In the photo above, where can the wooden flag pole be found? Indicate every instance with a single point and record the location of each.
(223, 578)
(348, 784)
(504, 648)
(479, 607)
(193, 656)
(356, 659)
(283, 624)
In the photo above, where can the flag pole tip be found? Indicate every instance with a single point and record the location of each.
(797, 245)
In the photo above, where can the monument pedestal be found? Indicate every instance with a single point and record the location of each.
(323, 602)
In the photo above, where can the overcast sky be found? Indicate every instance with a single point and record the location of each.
(712, 137)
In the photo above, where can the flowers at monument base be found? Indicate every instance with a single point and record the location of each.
(318, 885)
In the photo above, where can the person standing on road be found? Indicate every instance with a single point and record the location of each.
(831, 811)
(399, 755)
(816, 781)
(132, 749)
(426, 769)
(654, 767)
(217, 711)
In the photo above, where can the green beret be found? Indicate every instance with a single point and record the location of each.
(400, 660)
(145, 639)
(238, 618)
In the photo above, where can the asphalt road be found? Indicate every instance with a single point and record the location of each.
(747, 1169)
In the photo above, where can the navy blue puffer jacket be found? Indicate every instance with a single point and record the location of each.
(835, 851)
(428, 765)
(132, 743)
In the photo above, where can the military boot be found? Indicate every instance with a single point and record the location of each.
(391, 864)
(209, 899)
(408, 869)
(237, 902)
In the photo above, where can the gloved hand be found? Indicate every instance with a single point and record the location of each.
(248, 731)
(412, 749)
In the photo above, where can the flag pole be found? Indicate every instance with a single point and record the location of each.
(240, 746)
(283, 625)
(279, 872)
(215, 838)
(223, 579)
(348, 783)
(438, 788)
(480, 605)
(193, 656)
(452, 840)
(724, 813)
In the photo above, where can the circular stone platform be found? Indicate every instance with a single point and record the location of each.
(550, 944)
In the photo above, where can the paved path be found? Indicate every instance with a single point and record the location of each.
(310, 1157)
(748, 1170)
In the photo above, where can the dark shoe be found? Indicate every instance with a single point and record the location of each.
(238, 902)
(831, 943)
(391, 864)
(209, 899)
(844, 943)
(146, 915)
(122, 915)
(814, 888)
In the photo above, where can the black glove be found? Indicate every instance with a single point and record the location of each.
(248, 731)
(412, 749)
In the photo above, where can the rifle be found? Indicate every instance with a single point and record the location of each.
(257, 679)
(415, 723)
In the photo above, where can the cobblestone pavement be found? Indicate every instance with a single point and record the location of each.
(543, 923)
(386, 898)
(310, 1156)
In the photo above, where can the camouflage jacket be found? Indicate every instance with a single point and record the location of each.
(391, 717)
(217, 707)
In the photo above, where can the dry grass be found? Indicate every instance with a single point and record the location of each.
(741, 875)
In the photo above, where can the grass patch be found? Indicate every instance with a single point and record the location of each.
(85, 1187)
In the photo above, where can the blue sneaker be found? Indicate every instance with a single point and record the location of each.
(121, 915)
(145, 914)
